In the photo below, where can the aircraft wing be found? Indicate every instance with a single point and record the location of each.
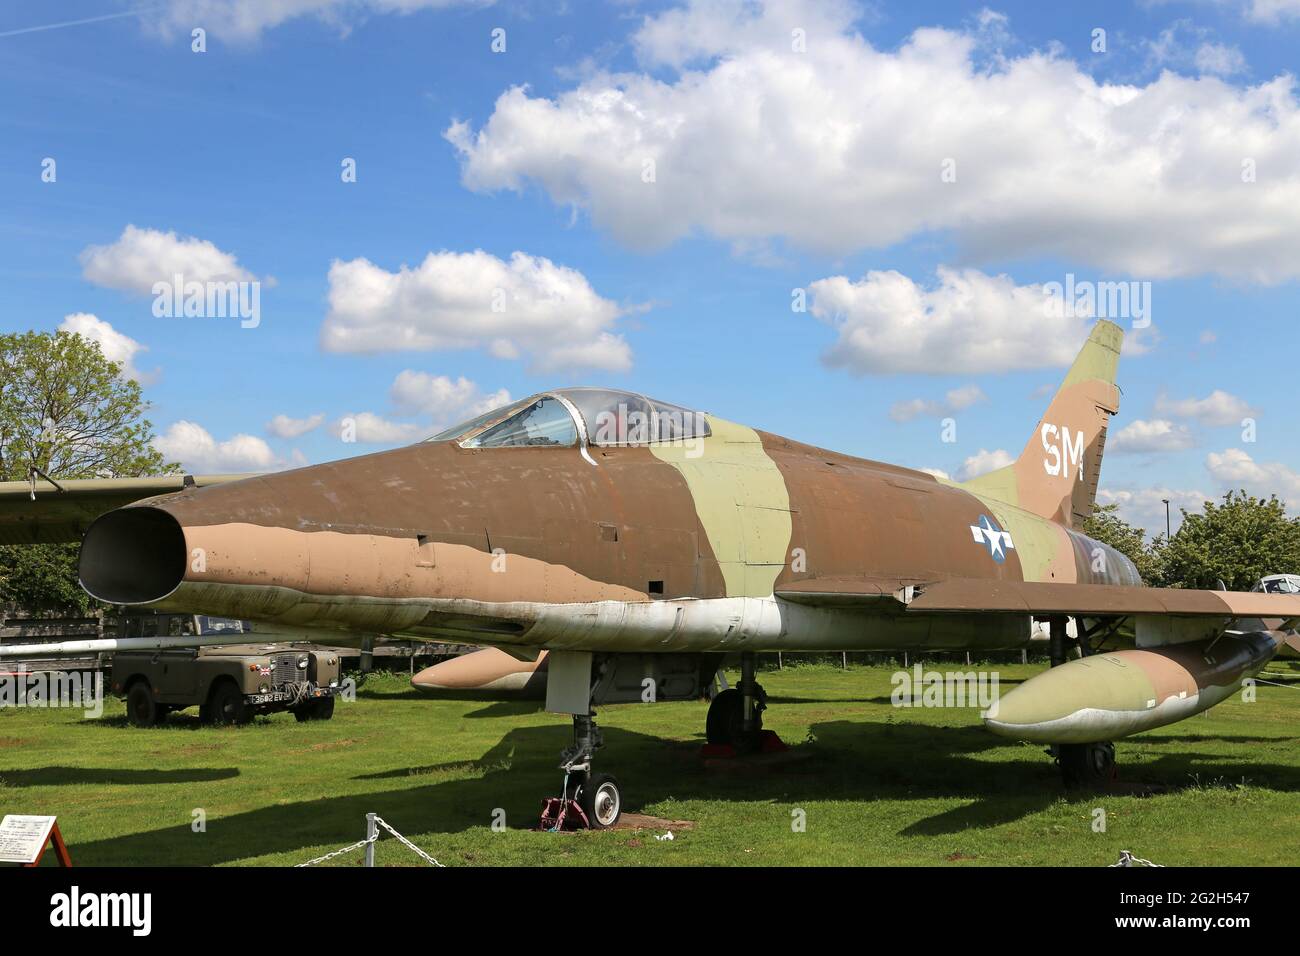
(1100, 600)
(1037, 597)
(46, 512)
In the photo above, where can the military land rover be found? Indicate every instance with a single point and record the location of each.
(230, 684)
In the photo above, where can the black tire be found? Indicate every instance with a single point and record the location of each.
(601, 800)
(725, 723)
(226, 705)
(141, 709)
(319, 709)
(1087, 766)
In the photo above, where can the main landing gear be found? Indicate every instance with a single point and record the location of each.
(1083, 766)
(589, 800)
(735, 716)
(1086, 766)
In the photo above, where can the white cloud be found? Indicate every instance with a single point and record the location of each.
(244, 20)
(959, 399)
(1145, 507)
(371, 429)
(1152, 436)
(116, 346)
(841, 148)
(982, 462)
(1234, 468)
(141, 257)
(475, 300)
(282, 426)
(441, 398)
(1219, 59)
(191, 445)
(937, 472)
(1186, 46)
(969, 323)
(1215, 410)
(1273, 11)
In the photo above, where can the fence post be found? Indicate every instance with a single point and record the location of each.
(372, 829)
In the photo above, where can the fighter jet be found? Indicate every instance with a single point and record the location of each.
(629, 537)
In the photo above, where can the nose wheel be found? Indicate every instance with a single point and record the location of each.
(601, 800)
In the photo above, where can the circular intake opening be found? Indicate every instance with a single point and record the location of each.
(132, 556)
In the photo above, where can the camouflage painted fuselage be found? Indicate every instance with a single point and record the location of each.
(654, 547)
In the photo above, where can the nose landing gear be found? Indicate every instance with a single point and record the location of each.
(588, 800)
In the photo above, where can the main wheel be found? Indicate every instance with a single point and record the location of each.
(600, 800)
(320, 709)
(227, 706)
(725, 723)
(1087, 766)
(141, 709)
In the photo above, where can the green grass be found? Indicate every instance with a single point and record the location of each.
(879, 785)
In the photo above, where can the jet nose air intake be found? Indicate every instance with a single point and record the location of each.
(132, 556)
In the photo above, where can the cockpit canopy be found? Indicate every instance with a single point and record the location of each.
(1278, 584)
(568, 416)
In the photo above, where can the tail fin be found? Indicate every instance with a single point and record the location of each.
(1056, 475)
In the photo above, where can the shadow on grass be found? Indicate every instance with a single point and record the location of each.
(115, 776)
(844, 760)
(181, 721)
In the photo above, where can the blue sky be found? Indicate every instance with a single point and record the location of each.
(775, 169)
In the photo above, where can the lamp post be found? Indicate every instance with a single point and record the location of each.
(1168, 533)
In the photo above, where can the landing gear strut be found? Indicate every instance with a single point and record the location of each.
(1083, 766)
(736, 714)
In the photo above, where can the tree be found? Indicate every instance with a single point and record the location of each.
(1236, 542)
(66, 410)
(1106, 526)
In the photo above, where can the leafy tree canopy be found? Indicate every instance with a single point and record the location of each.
(66, 410)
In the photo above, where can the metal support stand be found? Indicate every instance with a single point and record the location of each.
(1058, 641)
(748, 693)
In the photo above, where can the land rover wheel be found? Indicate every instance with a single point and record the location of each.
(320, 709)
(227, 705)
(141, 709)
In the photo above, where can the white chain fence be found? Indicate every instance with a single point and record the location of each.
(1128, 859)
(373, 822)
